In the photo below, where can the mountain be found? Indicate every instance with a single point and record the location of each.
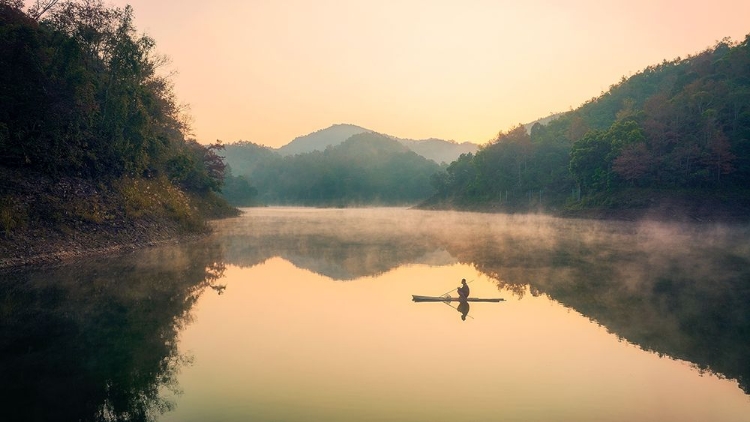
(544, 121)
(321, 139)
(368, 168)
(244, 157)
(437, 150)
(668, 142)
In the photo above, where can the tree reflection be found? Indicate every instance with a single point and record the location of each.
(339, 245)
(98, 342)
(674, 289)
(677, 291)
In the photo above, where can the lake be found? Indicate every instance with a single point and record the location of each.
(300, 314)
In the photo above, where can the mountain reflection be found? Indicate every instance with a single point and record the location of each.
(98, 341)
(674, 289)
(333, 243)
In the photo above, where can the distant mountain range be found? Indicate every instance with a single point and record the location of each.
(321, 139)
(434, 149)
(543, 121)
(366, 169)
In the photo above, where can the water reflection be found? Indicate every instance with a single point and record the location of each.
(98, 341)
(463, 308)
(336, 243)
(674, 289)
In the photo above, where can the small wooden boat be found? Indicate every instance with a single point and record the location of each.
(418, 298)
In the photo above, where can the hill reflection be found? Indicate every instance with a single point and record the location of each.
(334, 243)
(674, 289)
(98, 341)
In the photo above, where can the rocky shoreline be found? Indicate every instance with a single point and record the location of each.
(52, 220)
(24, 250)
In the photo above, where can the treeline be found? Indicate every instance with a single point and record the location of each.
(681, 128)
(83, 94)
(366, 169)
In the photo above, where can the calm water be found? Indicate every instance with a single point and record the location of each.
(291, 314)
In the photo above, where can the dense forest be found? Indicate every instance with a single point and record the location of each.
(677, 132)
(673, 139)
(90, 129)
(94, 146)
(437, 150)
(366, 169)
(91, 133)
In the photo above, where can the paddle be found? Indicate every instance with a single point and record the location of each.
(448, 292)
(448, 303)
(456, 288)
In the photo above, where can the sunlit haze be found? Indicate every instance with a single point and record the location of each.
(269, 71)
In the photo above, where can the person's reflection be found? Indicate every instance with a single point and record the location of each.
(463, 307)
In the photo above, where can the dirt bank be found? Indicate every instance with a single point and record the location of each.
(46, 220)
(42, 247)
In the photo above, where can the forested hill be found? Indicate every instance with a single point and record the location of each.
(366, 169)
(93, 148)
(321, 139)
(673, 140)
(438, 150)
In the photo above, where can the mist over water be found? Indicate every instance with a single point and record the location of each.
(630, 253)
(298, 313)
(668, 287)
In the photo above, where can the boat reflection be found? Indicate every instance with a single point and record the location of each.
(463, 308)
(674, 289)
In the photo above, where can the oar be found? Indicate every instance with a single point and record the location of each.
(455, 288)
(448, 303)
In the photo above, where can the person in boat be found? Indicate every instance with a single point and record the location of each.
(463, 291)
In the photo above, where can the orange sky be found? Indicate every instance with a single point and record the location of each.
(267, 71)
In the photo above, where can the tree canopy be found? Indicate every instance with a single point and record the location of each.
(682, 125)
(94, 145)
(83, 93)
(366, 169)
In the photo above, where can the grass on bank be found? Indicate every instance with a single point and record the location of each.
(33, 202)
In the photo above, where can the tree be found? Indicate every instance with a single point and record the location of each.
(15, 4)
(238, 190)
(588, 161)
(719, 156)
(634, 163)
(39, 8)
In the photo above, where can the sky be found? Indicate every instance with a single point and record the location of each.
(267, 71)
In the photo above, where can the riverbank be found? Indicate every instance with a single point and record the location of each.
(684, 206)
(45, 220)
(43, 247)
(629, 205)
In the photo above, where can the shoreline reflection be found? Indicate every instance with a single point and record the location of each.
(98, 341)
(673, 289)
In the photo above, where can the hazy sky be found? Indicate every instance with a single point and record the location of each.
(267, 71)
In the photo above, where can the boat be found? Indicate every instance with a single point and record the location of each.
(418, 298)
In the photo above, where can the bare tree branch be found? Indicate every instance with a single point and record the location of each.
(41, 7)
